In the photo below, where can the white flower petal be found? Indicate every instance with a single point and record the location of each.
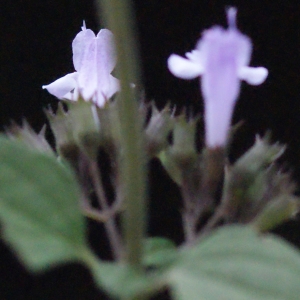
(114, 86)
(184, 68)
(194, 55)
(108, 91)
(73, 95)
(217, 120)
(89, 71)
(62, 86)
(94, 58)
(80, 45)
(254, 76)
(97, 62)
(106, 45)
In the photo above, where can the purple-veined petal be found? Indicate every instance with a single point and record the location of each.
(224, 53)
(244, 44)
(62, 86)
(88, 75)
(184, 68)
(254, 76)
(220, 82)
(221, 57)
(108, 51)
(245, 50)
(94, 58)
(79, 46)
(106, 59)
(98, 61)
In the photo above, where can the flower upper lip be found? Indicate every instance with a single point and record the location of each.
(94, 58)
(212, 45)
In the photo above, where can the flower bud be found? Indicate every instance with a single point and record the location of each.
(256, 191)
(181, 156)
(61, 125)
(26, 134)
(280, 209)
(158, 129)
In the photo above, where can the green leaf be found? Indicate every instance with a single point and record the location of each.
(39, 207)
(235, 263)
(42, 222)
(159, 251)
(121, 280)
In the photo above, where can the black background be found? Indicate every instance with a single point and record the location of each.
(35, 49)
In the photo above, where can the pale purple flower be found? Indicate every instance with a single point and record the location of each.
(221, 57)
(94, 58)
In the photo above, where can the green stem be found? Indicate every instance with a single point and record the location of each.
(118, 18)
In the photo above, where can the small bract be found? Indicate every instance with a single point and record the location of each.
(94, 58)
(221, 58)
